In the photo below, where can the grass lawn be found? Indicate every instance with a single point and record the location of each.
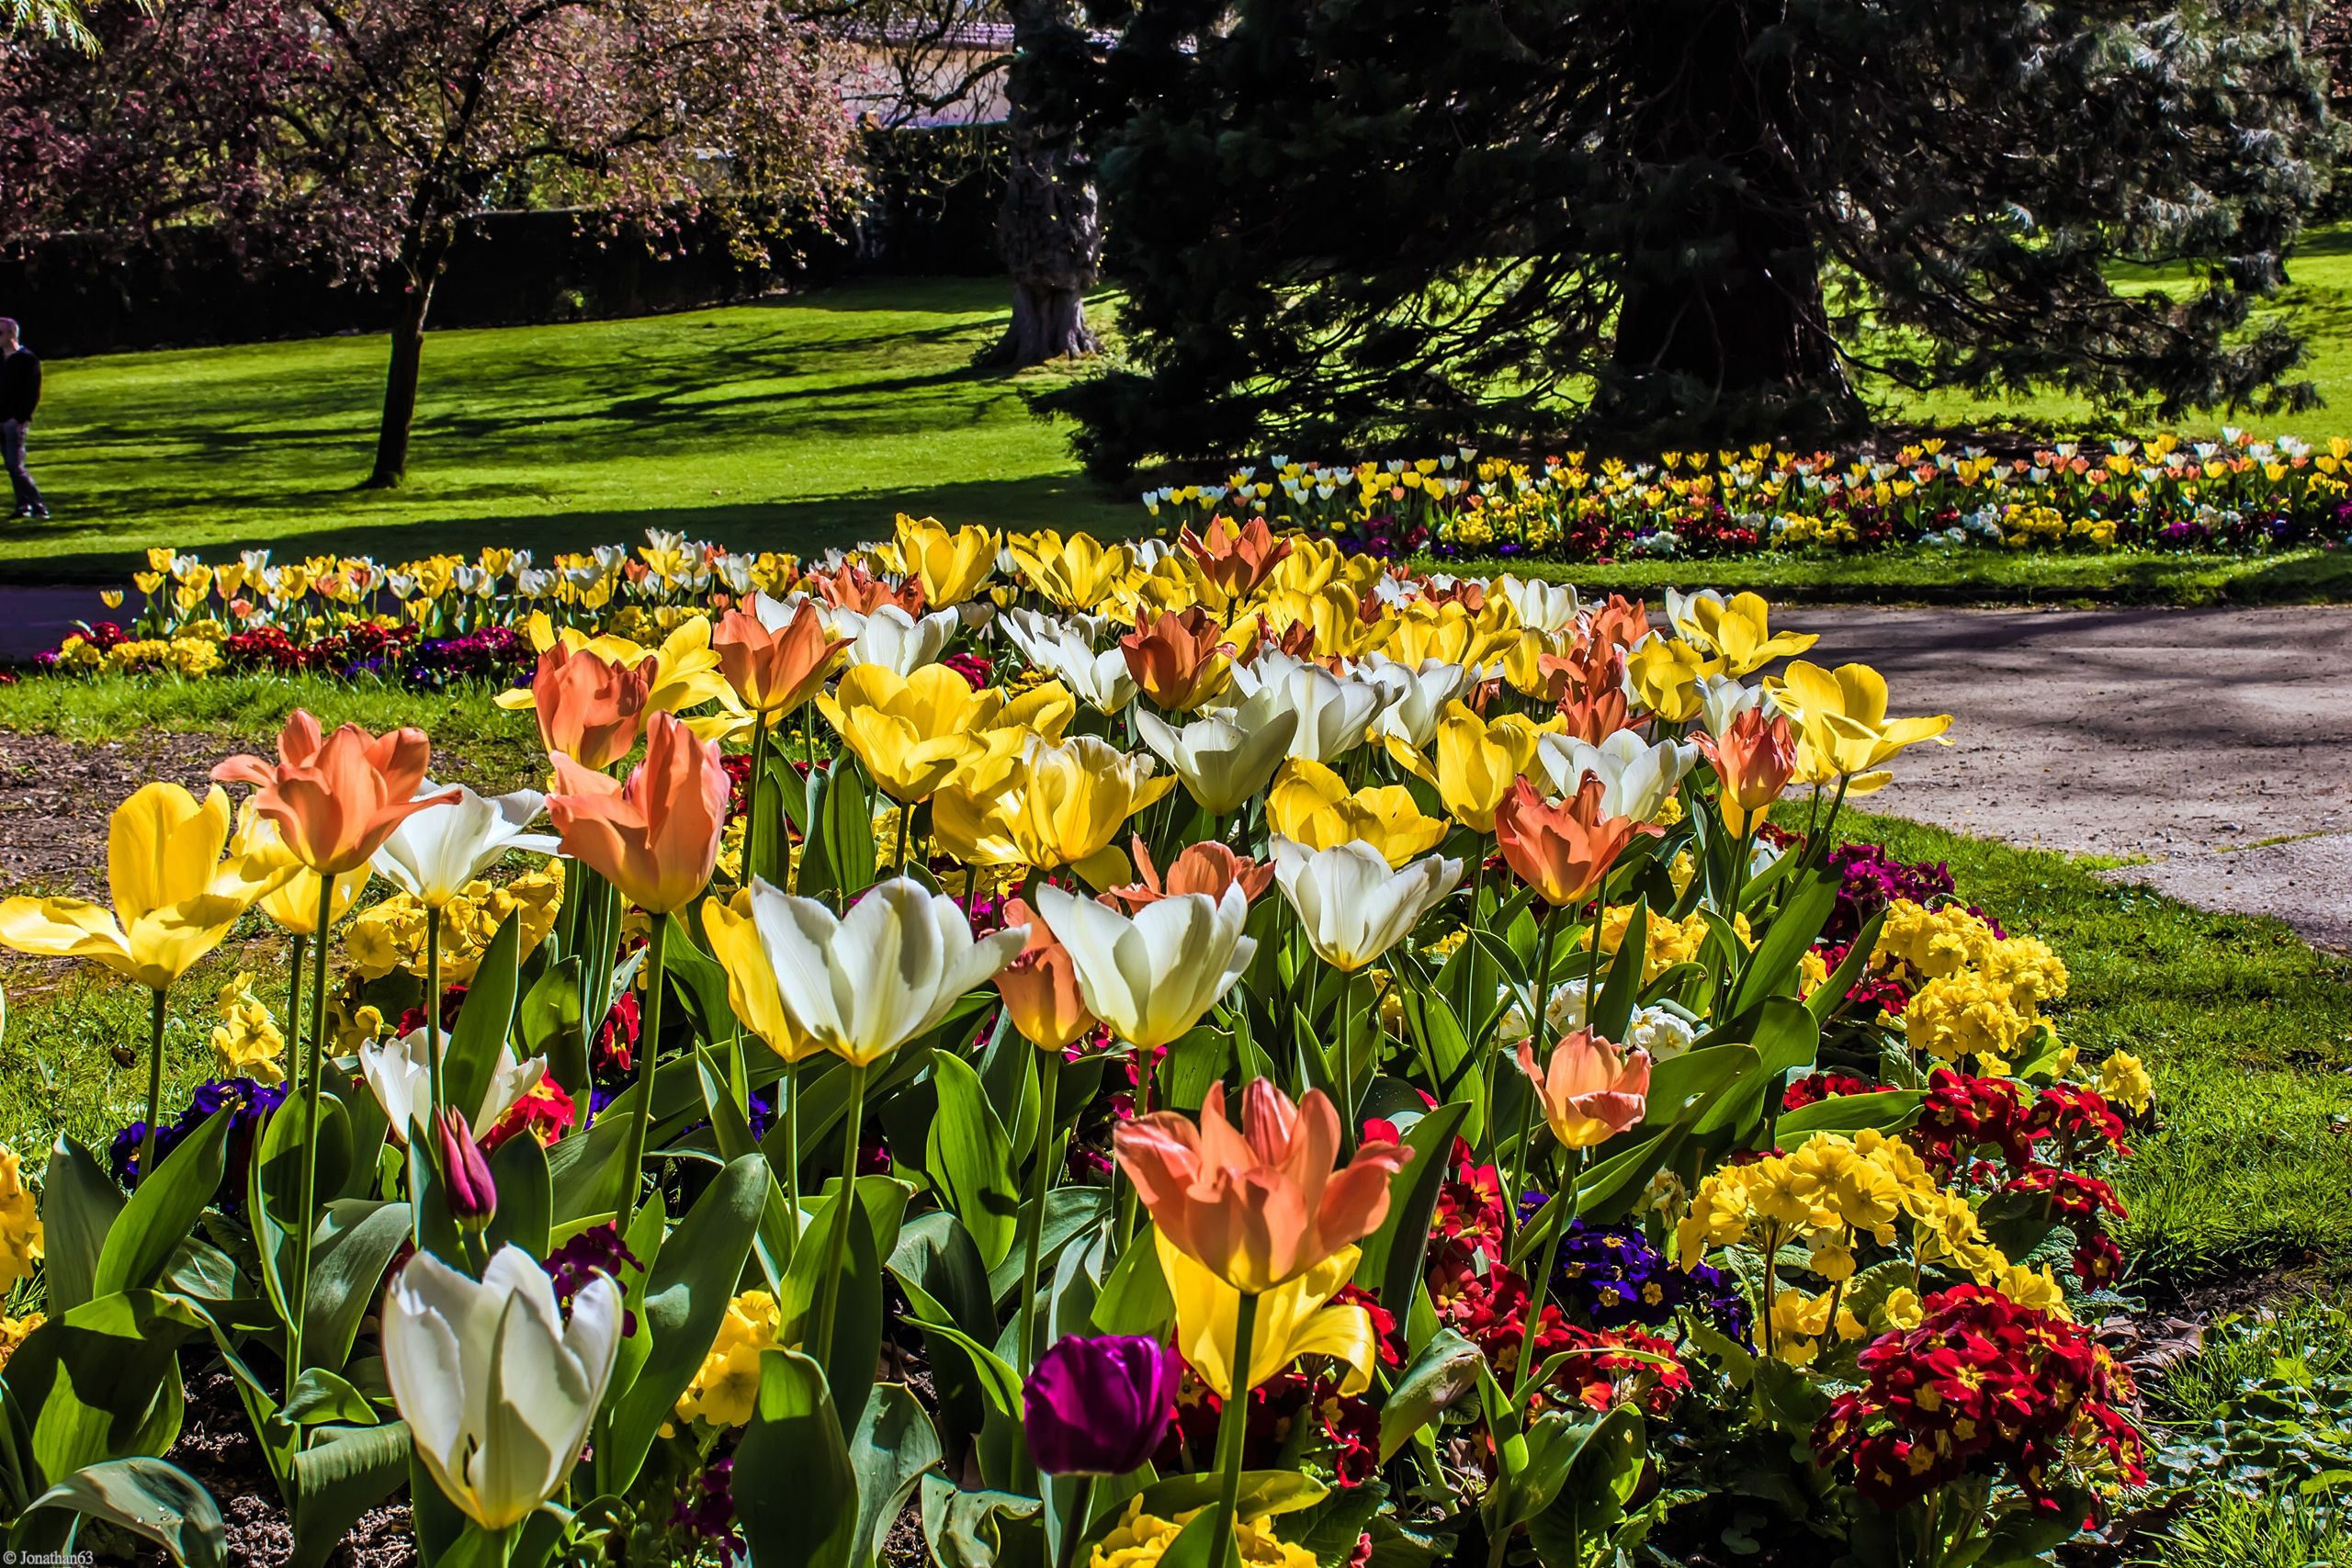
(791, 424)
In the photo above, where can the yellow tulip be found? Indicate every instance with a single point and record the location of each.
(1075, 573)
(1047, 805)
(1335, 616)
(686, 671)
(1738, 629)
(1311, 805)
(1476, 762)
(174, 897)
(1447, 631)
(1293, 1321)
(1666, 674)
(953, 566)
(911, 731)
(1842, 728)
(752, 993)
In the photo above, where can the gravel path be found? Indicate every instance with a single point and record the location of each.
(2217, 743)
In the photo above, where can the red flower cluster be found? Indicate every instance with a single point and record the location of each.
(1815, 1087)
(1982, 1386)
(269, 648)
(545, 1112)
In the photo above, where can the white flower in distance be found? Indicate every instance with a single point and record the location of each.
(1225, 758)
(894, 639)
(863, 984)
(1563, 1014)
(1152, 977)
(1636, 779)
(1354, 907)
(400, 1073)
(433, 854)
(1543, 606)
(1419, 695)
(498, 1391)
(1334, 714)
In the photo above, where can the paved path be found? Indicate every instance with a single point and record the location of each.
(2217, 742)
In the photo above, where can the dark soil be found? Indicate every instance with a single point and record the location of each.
(56, 796)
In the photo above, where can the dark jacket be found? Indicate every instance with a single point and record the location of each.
(19, 385)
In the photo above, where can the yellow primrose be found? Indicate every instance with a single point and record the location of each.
(1292, 1322)
(727, 1385)
(1475, 762)
(247, 1041)
(1842, 728)
(1666, 674)
(1049, 806)
(911, 731)
(21, 1240)
(1310, 805)
(1141, 1541)
(2122, 1079)
(953, 566)
(175, 896)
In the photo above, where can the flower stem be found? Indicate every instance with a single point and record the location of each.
(649, 1045)
(1538, 1028)
(294, 994)
(306, 1209)
(1233, 1430)
(154, 1088)
(828, 1293)
(751, 801)
(1049, 1079)
(433, 1009)
(792, 1151)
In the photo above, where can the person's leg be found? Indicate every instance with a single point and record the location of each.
(20, 479)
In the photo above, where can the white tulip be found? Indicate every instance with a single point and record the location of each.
(497, 1390)
(433, 854)
(1152, 977)
(1419, 695)
(1222, 761)
(1334, 714)
(898, 641)
(1724, 699)
(1044, 639)
(863, 984)
(1354, 907)
(1636, 779)
(1543, 606)
(1682, 612)
(1066, 649)
(402, 1074)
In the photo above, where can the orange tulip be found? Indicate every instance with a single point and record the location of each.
(1178, 659)
(1622, 621)
(1206, 867)
(589, 706)
(854, 588)
(1754, 758)
(1590, 1092)
(656, 837)
(1040, 986)
(1259, 1205)
(776, 671)
(334, 799)
(1562, 851)
(1235, 560)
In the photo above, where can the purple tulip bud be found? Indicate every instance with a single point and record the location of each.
(473, 1196)
(1100, 1406)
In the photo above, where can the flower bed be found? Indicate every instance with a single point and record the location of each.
(1156, 1054)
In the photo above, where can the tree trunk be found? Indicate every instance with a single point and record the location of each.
(408, 359)
(1722, 331)
(1050, 229)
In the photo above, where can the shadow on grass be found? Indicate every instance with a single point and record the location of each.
(800, 526)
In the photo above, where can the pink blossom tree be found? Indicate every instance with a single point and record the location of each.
(366, 130)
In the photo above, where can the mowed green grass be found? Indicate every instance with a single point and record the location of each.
(792, 425)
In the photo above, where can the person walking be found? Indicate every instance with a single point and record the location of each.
(19, 395)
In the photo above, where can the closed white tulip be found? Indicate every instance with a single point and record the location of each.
(1722, 699)
(1543, 606)
(1418, 698)
(1353, 907)
(1152, 977)
(1222, 760)
(433, 854)
(1334, 714)
(896, 640)
(863, 984)
(498, 1391)
(401, 1072)
(1636, 779)
(1064, 649)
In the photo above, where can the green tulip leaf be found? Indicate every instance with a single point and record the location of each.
(587, 1175)
(146, 1496)
(343, 1474)
(1445, 1371)
(476, 1045)
(79, 1203)
(163, 1211)
(1887, 1109)
(1391, 1264)
(355, 1245)
(966, 1530)
(519, 1170)
(969, 1158)
(102, 1381)
(890, 1451)
(796, 1492)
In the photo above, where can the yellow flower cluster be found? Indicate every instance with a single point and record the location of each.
(391, 934)
(1977, 995)
(1826, 1195)
(20, 1232)
(1140, 1539)
(2124, 1081)
(247, 1041)
(728, 1385)
(13, 1333)
(1667, 941)
(185, 655)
